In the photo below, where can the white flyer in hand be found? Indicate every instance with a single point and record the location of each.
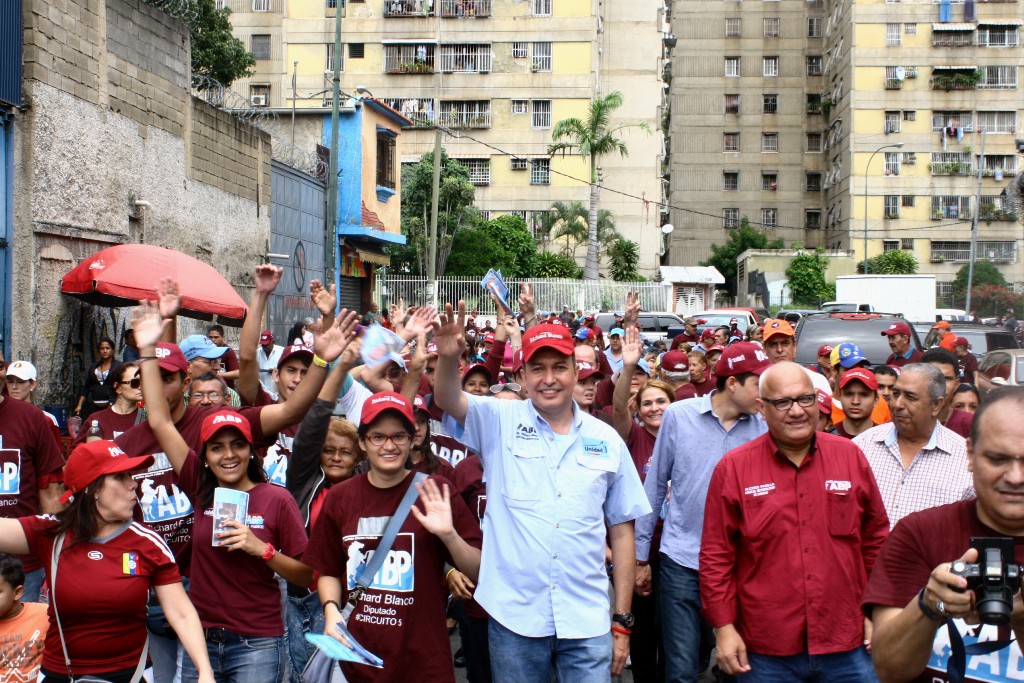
(228, 505)
(381, 345)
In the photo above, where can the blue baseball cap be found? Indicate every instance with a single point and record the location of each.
(617, 331)
(199, 346)
(849, 355)
(643, 367)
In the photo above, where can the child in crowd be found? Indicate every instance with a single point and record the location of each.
(22, 625)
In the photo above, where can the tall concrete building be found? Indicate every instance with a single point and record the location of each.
(497, 73)
(779, 115)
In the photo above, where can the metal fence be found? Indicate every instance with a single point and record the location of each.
(549, 294)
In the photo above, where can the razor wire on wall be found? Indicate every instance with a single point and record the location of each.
(185, 10)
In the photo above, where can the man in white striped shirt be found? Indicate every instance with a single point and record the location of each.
(917, 462)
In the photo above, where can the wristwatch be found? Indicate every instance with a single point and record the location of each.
(626, 619)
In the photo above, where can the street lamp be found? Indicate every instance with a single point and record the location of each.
(866, 169)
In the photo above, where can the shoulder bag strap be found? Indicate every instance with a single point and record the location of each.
(370, 569)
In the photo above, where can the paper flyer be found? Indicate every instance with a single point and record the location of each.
(336, 650)
(228, 505)
(493, 283)
(381, 345)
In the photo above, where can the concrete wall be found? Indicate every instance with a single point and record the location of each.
(110, 120)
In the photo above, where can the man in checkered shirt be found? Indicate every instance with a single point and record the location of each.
(917, 462)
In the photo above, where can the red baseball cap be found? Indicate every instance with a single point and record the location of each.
(222, 419)
(489, 337)
(824, 402)
(826, 349)
(962, 341)
(708, 333)
(862, 375)
(716, 347)
(266, 337)
(773, 328)
(740, 358)
(170, 358)
(517, 360)
(90, 461)
(547, 336)
(585, 369)
(675, 361)
(383, 401)
(419, 403)
(296, 350)
(897, 328)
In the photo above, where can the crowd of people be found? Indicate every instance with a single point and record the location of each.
(572, 500)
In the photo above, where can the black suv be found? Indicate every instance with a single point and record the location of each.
(862, 329)
(982, 338)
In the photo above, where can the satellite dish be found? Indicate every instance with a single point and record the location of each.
(901, 73)
(667, 229)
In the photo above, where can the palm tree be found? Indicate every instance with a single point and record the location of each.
(568, 222)
(592, 138)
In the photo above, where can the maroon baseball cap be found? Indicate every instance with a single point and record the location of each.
(675, 361)
(897, 328)
(266, 337)
(386, 400)
(223, 419)
(305, 353)
(740, 358)
(170, 358)
(585, 369)
(477, 367)
(420, 403)
(547, 336)
(962, 341)
(708, 333)
(517, 360)
(862, 375)
(716, 347)
(489, 337)
(824, 402)
(826, 349)
(90, 461)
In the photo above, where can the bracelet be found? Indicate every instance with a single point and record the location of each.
(145, 358)
(268, 552)
(324, 604)
(623, 631)
(446, 576)
(319, 362)
(926, 610)
(642, 563)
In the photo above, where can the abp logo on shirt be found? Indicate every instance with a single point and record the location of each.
(397, 572)
(10, 471)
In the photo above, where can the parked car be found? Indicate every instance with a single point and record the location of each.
(718, 317)
(862, 329)
(982, 338)
(793, 315)
(654, 325)
(999, 368)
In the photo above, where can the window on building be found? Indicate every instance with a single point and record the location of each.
(769, 218)
(908, 201)
(520, 50)
(732, 104)
(540, 171)
(466, 113)
(769, 181)
(995, 35)
(951, 206)
(892, 163)
(386, 160)
(730, 218)
(409, 58)
(730, 180)
(418, 110)
(730, 142)
(893, 35)
(998, 77)
(771, 27)
(520, 163)
(910, 29)
(520, 107)
(259, 95)
(732, 28)
(329, 4)
(769, 103)
(890, 245)
(892, 206)
(815, 27)
(997, 121)
(541, 57)
(356, 50)
(814, 66)
(812, 219)
(541, 114)
(479, 170)
(259, 46)
(329, 61)
(907, 243)
(260, 5)
(892, 121)
(770, 66)
(769, 142)
(541, 8)
(732, 66)
(814, 142)
(466, 58)
(952, 120)
(812, 182)
(910, 115)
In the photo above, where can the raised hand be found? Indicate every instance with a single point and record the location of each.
(147, 324)
(632, 349)
(350, 357)
(398, 313)
(167, 297)
(437, 509)
(266, 277)
(527, 306)
(329, 343)
(420, 322)
(450, 334)
(632, 312)
(514, 334)
(323, 298)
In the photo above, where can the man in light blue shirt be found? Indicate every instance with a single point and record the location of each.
(694, 436)
(614, 351)
(558, 480)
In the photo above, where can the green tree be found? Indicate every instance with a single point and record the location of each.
(985, 273)
(555, 265)
(806, 273)
(625, 257)
(592, 138)
(895, 262)
(518, 245)
(216, 54)
(740, 239)
(568, 225)
(473, 253)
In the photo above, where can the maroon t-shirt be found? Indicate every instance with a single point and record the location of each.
(230, 362)
(469, 485)
(444, 468)
(685, 391)
(968, 367)
(603, 393)
(900, 361)
(101, 591)
(401, 617)
(641, 447)
(706, 387)
(235, 590)
(112, 425)
(448, 449)
(919, 543)
(165, 506)
(960, 421)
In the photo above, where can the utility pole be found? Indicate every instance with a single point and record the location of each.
(295, 95)
(974, 227)
(436, 184)
(331, 256)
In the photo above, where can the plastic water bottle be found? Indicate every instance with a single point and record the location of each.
(94, 432)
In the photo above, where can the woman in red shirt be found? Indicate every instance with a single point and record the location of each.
(121, 416)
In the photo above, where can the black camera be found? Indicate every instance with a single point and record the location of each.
(994, 578)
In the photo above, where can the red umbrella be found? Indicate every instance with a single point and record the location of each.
(122, 275)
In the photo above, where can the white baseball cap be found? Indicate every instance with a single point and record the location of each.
(23, 370)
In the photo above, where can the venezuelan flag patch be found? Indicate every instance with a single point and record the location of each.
(130, 564)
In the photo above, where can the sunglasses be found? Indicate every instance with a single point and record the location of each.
(510, 386)
(134, 382)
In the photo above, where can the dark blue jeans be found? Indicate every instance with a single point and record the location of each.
(303, 615)
(854, 666)
(33, 583)
(680, 621)
(521, 659)
(240, 659)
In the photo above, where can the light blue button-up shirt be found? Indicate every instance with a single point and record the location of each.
(690, 443)
(549, 498)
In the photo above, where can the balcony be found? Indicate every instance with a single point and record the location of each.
(950, 168)
(958, 81)
(408, 8)
(997, 215)
(465, 119)
(465, 8)
(893, 84)
(409, 59)
(947, 39)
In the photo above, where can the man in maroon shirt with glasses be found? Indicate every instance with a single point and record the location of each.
(792, 526)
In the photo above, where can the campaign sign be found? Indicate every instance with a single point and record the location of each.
(397, 571)
(1006, 664)
(159, 496)
(10, 471)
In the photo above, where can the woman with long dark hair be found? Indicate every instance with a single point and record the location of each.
(97, 393)
(121, 415)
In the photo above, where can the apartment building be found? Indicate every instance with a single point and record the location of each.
(885, 108)
(497, 73)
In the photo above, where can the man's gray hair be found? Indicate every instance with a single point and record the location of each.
(936, 380)
(677, 376)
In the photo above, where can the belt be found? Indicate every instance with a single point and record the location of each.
(221, 635)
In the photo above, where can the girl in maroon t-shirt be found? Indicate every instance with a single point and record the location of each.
(121, 416)
(401, 616)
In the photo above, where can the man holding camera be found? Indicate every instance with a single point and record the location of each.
(917, 580)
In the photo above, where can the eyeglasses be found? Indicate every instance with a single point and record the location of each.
(134, 382)
(212, 395)
(399, 439)
(210, 361)
(784, 404)
(508, 386)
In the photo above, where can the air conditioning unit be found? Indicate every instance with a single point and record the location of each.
(258, 100)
